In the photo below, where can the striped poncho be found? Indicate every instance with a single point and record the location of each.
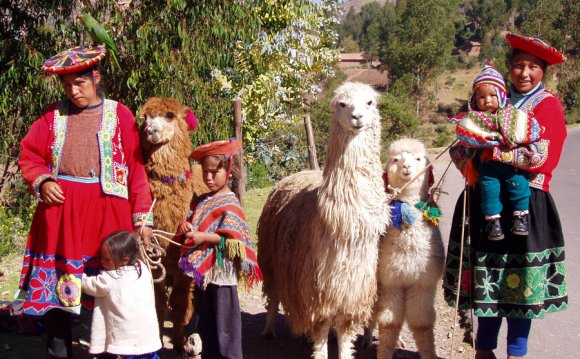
(509, 127)
(223, 215)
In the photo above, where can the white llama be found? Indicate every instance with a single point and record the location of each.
(318, 232)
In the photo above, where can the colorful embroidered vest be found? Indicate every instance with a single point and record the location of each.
(114, 171)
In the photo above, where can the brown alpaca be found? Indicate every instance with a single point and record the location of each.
(173, 181)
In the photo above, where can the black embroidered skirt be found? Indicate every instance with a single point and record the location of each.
(517, 277)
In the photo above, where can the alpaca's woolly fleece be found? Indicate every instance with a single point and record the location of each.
(411, 258)
(319, 230)
(166, 149)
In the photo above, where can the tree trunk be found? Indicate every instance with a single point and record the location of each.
(311, 145)
(240, 190)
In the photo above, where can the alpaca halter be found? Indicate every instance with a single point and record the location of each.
(182, 177)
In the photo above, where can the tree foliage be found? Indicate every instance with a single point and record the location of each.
(280, 69)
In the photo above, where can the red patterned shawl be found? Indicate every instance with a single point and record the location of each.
(221, 214)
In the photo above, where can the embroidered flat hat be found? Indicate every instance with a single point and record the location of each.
(222, 147)
(74, 60)
(535, 47)
(490, 76)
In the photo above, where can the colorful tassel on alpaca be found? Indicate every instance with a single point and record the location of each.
(401, 212)
(430, 210)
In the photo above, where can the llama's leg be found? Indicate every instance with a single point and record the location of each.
(421, 318)
(345, 335)
(368, 333)
(390, 316)
(320, 340)
(160, 304)
(271, 318)
(181, 302)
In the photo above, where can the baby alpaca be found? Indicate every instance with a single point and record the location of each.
(411, 255)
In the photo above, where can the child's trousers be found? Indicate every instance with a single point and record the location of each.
(220, 322)
(495, 177)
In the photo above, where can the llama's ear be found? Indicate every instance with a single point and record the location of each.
(386, 181)
(190, 119)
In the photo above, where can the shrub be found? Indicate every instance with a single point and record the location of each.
(398, 117)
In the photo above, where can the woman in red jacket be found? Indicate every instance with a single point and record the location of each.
(524, 277)
(82, 158)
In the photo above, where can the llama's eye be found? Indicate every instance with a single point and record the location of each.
(169, 115)
(342, 104)
(369, 103)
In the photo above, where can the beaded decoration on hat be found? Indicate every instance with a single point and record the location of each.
(536, 47)
(74, 60)
(490, 76)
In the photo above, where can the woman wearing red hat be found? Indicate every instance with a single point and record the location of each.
(523, 278)
(83, 160)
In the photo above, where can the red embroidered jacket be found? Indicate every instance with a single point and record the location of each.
(122, 170)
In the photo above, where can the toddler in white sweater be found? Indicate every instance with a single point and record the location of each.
(124, 319)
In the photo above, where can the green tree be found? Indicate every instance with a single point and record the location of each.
(539, 18)
(280, 69)
(29, 30)
(348, 44)
(422, 42)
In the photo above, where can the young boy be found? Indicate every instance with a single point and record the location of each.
(491, 123)
(222, 252)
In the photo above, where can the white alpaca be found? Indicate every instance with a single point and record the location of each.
(411, 257)
(318, 231)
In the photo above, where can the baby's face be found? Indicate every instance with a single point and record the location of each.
(486, 98)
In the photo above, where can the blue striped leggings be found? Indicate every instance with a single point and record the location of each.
(517, 335)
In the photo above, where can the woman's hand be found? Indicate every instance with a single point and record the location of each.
(51, 193)
(145, 233)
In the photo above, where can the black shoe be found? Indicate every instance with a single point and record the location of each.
(520, 227)
(493, 228)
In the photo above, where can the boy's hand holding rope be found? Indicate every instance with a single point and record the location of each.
(151, 251)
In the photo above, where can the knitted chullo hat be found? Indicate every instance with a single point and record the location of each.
(490, 76)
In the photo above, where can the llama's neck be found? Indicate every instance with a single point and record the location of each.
(352, 153)
(351, 195)
(416, 191)
(172, 157)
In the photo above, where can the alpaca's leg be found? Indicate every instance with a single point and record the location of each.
(320, 340)
(345, 335)
(181, 303)
(160, 302)
(368, 333)
(271, 318)
(421, 318)
(390, 316)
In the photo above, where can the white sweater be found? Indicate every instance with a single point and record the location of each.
(124, 318)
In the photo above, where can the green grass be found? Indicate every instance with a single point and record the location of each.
(10, 267)
(252, 204)
(459, 89)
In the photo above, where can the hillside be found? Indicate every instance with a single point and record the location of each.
(357, 4)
